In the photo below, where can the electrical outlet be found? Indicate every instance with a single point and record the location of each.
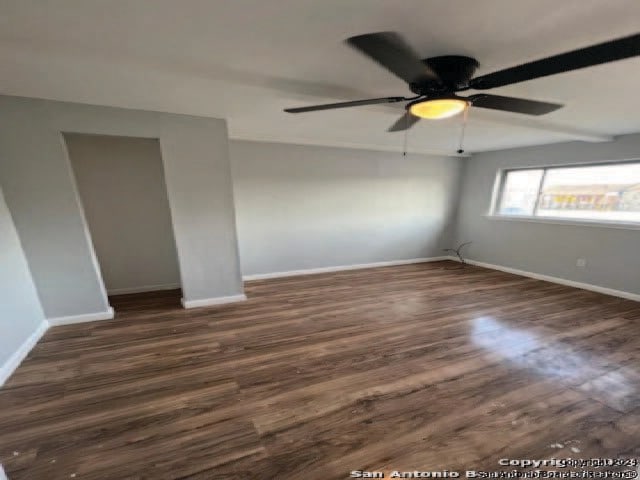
(581, 262)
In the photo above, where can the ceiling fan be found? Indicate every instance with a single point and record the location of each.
(436, 81)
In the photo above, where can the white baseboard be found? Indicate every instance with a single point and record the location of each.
(86, 317)
(312, 271)
(19, 355)
(146, 288)
(207, 302)
(561, 281)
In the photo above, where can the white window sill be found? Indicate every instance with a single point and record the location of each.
(566, 221)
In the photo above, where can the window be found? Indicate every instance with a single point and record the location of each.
(605, 192)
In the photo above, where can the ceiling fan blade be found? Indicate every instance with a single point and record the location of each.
(355, 103)
(391, 51)
(405, 122)
(584, 57)
(512, 104)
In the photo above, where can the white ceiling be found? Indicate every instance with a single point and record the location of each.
(245, 60)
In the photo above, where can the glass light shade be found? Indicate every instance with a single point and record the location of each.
(438, 108)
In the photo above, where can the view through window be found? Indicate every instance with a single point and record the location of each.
(600, 192)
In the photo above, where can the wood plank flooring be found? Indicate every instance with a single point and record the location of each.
(426, 366)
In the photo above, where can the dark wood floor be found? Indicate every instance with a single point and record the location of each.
(413, 367)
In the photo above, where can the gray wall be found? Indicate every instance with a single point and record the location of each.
(36, 176)
(20, 311)
(613, 255)
(301, 207)
(124, 198)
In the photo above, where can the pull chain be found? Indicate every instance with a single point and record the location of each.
(406, 133)
(465, 116)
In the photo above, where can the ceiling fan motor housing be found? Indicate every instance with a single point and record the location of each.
(454, 71)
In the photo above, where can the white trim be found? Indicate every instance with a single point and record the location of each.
(572, 164)
(567, 221)
(561, 281)
(3, 476)
(85, 317)
(206, 302)
(144, 288)
(313, 271)
(248, 137)
(19, 355)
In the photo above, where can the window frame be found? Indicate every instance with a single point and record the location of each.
(499, 185)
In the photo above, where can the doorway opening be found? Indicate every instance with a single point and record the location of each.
(122, 190)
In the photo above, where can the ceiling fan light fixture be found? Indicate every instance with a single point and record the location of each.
(438, 108)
